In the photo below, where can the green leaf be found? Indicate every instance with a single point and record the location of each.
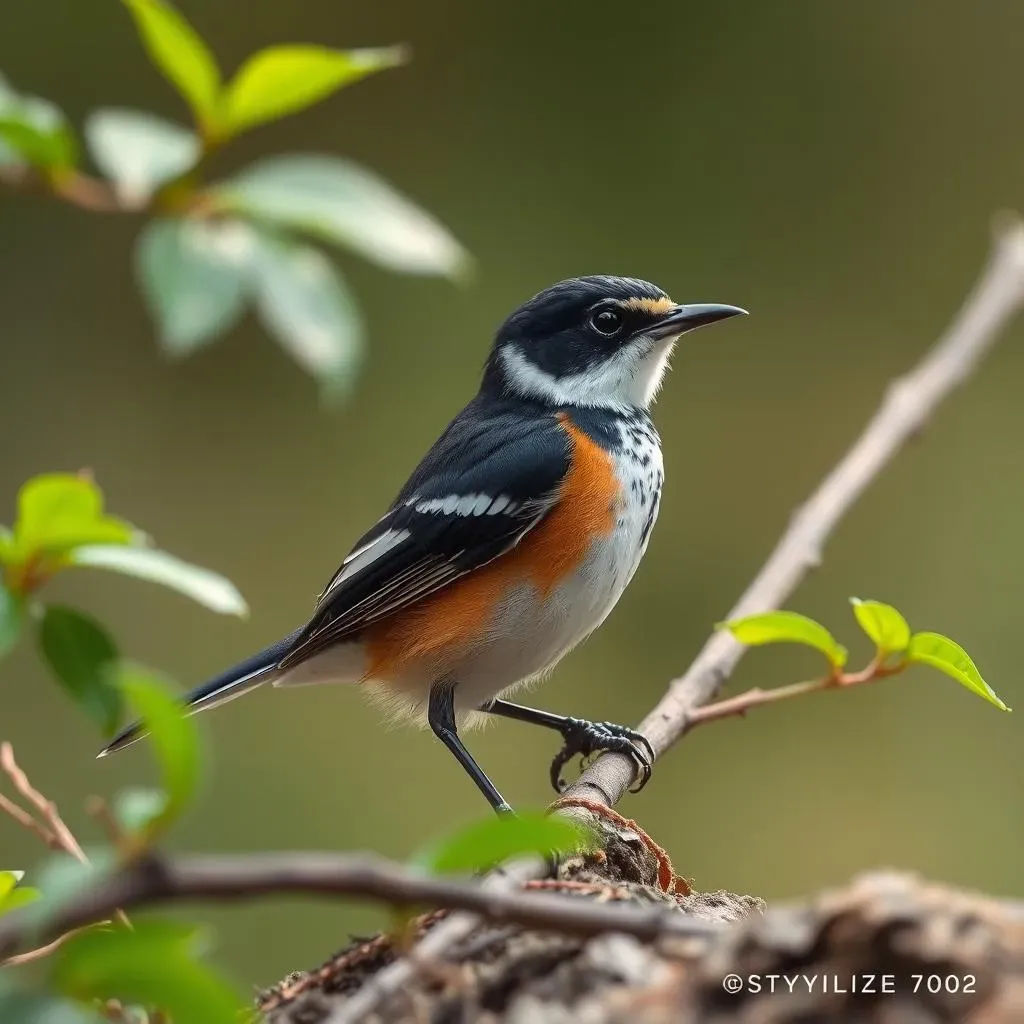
(947, 656)
(32, 1008)
(60, 511)
(20, 897)
(883, 624)
(137, 809)
(786, 627)
(84, 658)
(8, 880)
(495, 839)
(194, 275)
(12, 614)
(173, 737)
(139, 151)
(283, 79)
(153, 964)
(202, 585)
(37, 131)
(344, 204)
(179, 52)
(305, 304)
(6, 545)
(13, 895)
(8, 155)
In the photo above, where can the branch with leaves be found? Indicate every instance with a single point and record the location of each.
(211, 249)
(908, 405)
(896, 650)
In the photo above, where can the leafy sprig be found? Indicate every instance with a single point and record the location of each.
(896, 649)
(211, 250)
(61, 524)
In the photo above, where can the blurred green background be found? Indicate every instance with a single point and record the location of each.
(831, 166)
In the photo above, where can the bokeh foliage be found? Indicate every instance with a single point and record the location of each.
(211, 250)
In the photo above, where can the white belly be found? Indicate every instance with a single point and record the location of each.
(529, 634)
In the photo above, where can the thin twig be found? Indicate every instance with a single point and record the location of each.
(757, 697)
(53, 831)
(74, 187)
(26, 821)
(154, 881)
(100, 811)
(908, 405)
(40, 952)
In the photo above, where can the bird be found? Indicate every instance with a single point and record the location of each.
(514, 537)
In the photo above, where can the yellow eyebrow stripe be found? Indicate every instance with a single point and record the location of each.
(653, 307)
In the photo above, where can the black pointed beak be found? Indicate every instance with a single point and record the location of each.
(690, 317)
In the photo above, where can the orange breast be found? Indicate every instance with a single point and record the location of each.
(455, 616)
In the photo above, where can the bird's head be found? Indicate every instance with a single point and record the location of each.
(593, 341)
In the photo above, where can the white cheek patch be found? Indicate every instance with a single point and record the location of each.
(654, 367)
(466, 505)
(628, 379)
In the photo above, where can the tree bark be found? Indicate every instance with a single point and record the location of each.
(886, 948)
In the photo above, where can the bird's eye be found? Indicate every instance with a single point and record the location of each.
(606, 321)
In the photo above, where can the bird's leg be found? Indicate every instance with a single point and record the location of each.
(441, 717)
(581, 737)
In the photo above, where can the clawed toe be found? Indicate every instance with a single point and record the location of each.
(585, 738)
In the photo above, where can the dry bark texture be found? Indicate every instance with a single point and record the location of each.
(891, 934)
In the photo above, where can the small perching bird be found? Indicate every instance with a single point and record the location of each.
(514, 537)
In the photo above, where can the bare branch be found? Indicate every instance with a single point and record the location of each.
(152, 881)
(909, 403)
(26, 821)
(52, 829)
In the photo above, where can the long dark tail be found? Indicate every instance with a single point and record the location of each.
(245, 676)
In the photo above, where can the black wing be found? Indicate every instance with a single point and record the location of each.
(492, 475)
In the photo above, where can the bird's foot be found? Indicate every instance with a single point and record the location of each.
(586, 738)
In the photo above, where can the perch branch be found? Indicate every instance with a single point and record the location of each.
(907, 406)
(154, 880)
(909, 403)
